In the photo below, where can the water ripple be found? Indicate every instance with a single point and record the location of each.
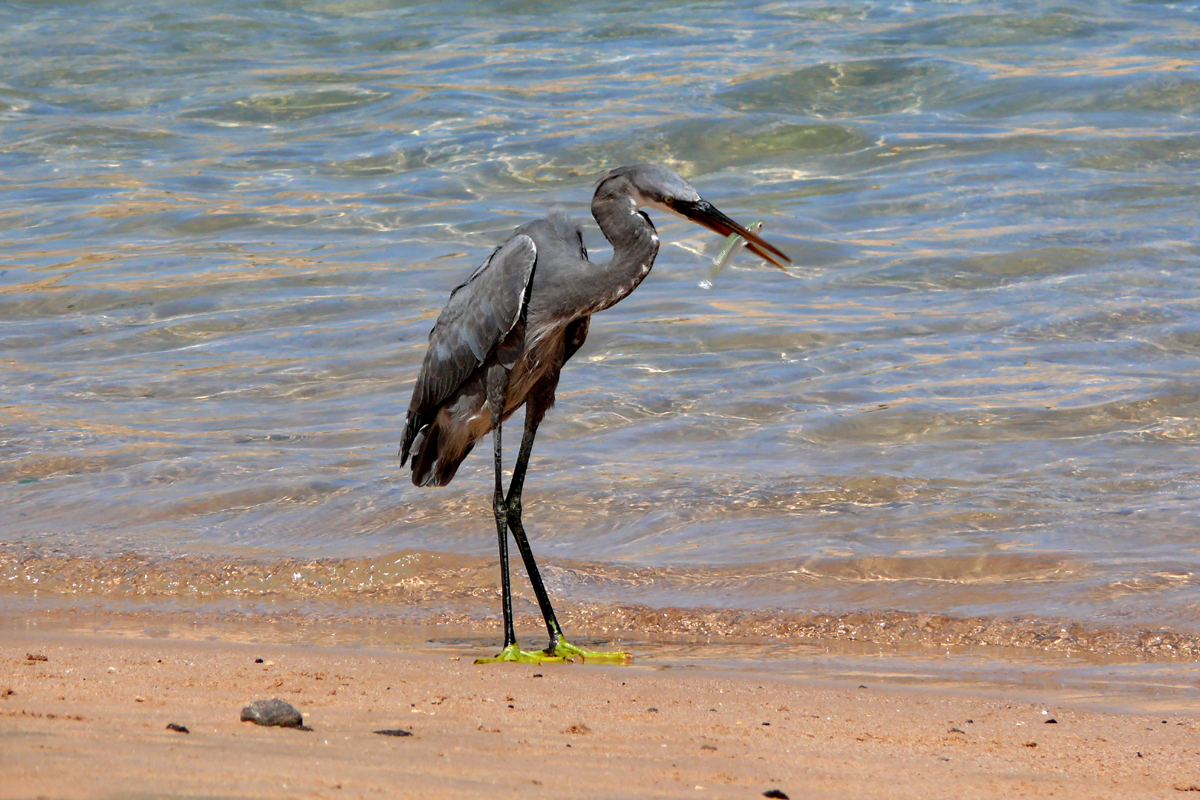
(229, 227)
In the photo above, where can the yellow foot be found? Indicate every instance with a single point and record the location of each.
(516, 654)
(565, 651)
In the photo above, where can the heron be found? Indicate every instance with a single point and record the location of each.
(504, 335)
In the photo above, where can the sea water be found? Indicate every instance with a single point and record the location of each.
(226, 230)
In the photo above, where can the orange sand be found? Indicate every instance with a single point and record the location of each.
(90, 721)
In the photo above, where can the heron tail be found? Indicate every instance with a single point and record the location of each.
(433, 463)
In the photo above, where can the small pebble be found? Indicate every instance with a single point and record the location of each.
(258, 661)
(394, 732)
(171, 726)
(776, 794)
(275, 712)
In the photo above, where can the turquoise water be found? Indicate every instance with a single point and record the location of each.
(226, 229)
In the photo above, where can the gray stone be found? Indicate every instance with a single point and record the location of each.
(273, 712)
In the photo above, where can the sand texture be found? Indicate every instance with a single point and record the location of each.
(86, 716)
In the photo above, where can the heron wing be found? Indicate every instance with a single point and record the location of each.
(480, 313)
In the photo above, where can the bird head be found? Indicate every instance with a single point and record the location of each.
(652, 186)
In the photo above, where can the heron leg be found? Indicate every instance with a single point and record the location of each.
(559, 646)
(501, 514)
(533, 417)
(496, 390)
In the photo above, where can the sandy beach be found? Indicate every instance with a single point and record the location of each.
(86, 715)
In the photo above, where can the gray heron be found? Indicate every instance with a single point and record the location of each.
(505, 333)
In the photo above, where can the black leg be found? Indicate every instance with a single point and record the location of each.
(496, 390)
(507, 510)
(533, 417)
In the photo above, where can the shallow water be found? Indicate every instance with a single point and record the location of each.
(227, 230)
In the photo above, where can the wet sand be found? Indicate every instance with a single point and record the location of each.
(86, 715)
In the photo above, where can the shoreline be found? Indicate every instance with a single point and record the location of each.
(99, 703)
(448, 591)
(1147, 680)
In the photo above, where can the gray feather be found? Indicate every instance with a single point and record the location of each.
(481, 312)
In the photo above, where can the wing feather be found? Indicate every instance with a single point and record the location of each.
(480, 313)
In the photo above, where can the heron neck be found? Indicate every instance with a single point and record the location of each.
(635, 245)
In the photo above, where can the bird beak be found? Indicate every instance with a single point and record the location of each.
(706, 214)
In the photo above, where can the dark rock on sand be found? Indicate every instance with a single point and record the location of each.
(275, 712)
